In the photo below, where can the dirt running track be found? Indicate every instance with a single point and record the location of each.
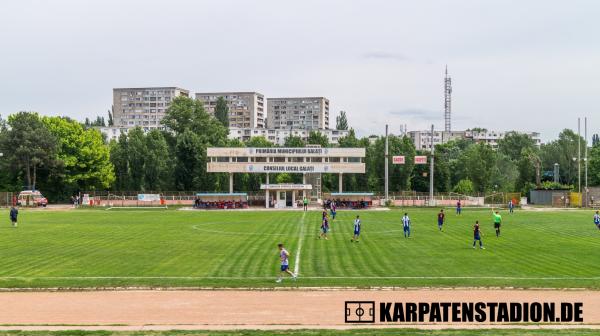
(240, 309)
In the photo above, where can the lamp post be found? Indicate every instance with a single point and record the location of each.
(556, 173)
(386, 166)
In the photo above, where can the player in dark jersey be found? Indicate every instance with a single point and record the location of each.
(324, 228)
(477, 235)
(440, 218)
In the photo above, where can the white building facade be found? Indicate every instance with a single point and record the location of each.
(492, 137)
(423, 141)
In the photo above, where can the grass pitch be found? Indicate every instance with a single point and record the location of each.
(93, 248)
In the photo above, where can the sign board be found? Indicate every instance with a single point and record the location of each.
(420, 159)
(398, 159)
(149, 197)
(284, 152)
(286, 186)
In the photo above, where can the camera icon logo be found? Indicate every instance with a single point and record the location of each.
(360, 312)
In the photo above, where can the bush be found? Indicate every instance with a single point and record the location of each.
(464, 186)
(549, 185)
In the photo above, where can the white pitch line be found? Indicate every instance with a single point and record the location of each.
(300, 239)
(307, 277)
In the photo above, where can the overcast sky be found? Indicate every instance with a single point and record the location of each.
(524, 65)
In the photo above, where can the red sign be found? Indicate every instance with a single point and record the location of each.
(398, 159)
(420, 159)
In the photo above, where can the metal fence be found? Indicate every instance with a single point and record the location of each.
(7, 198)
(257, 198)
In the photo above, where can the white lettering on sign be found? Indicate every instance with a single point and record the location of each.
(287, 168)
(398, 159)
(420, 159)
(289, 150)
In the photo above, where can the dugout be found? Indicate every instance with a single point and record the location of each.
(221, 201)
(352, 200)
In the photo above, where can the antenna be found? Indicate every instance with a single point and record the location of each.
(447, 101)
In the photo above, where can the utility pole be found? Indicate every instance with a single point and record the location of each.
(579, 155)
(431, 202)
(585, 160)
(386, 164)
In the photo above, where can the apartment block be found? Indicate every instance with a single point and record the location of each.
(422, 139)
(308, 113)
(278, 136)
(246, 109)
(143, 107)
(492, 137)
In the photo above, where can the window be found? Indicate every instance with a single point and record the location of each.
(223, 159)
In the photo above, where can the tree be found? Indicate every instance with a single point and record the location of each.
(504, 173)
(110, 117)
(136, 146)
(28, 145)
(119, 156)
(188, 153)
(354, 182)
(479, 160)
(513, 144)
(294, 141)
(317, 138)
(222, 111)
(449, 160)
(341, 121)
(594, 165)
(562, 151)
(284, 178)
(189, 114)
(259, 141)
(464, 186)
(194, 131)
(399, 175)
(157, 163)
(84, 157)
(526, 170)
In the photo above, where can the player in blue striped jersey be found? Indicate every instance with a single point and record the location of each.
(406, 225)
(597, 219)
(357, 224)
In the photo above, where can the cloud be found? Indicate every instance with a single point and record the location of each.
(382, 55)
(417, 113)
